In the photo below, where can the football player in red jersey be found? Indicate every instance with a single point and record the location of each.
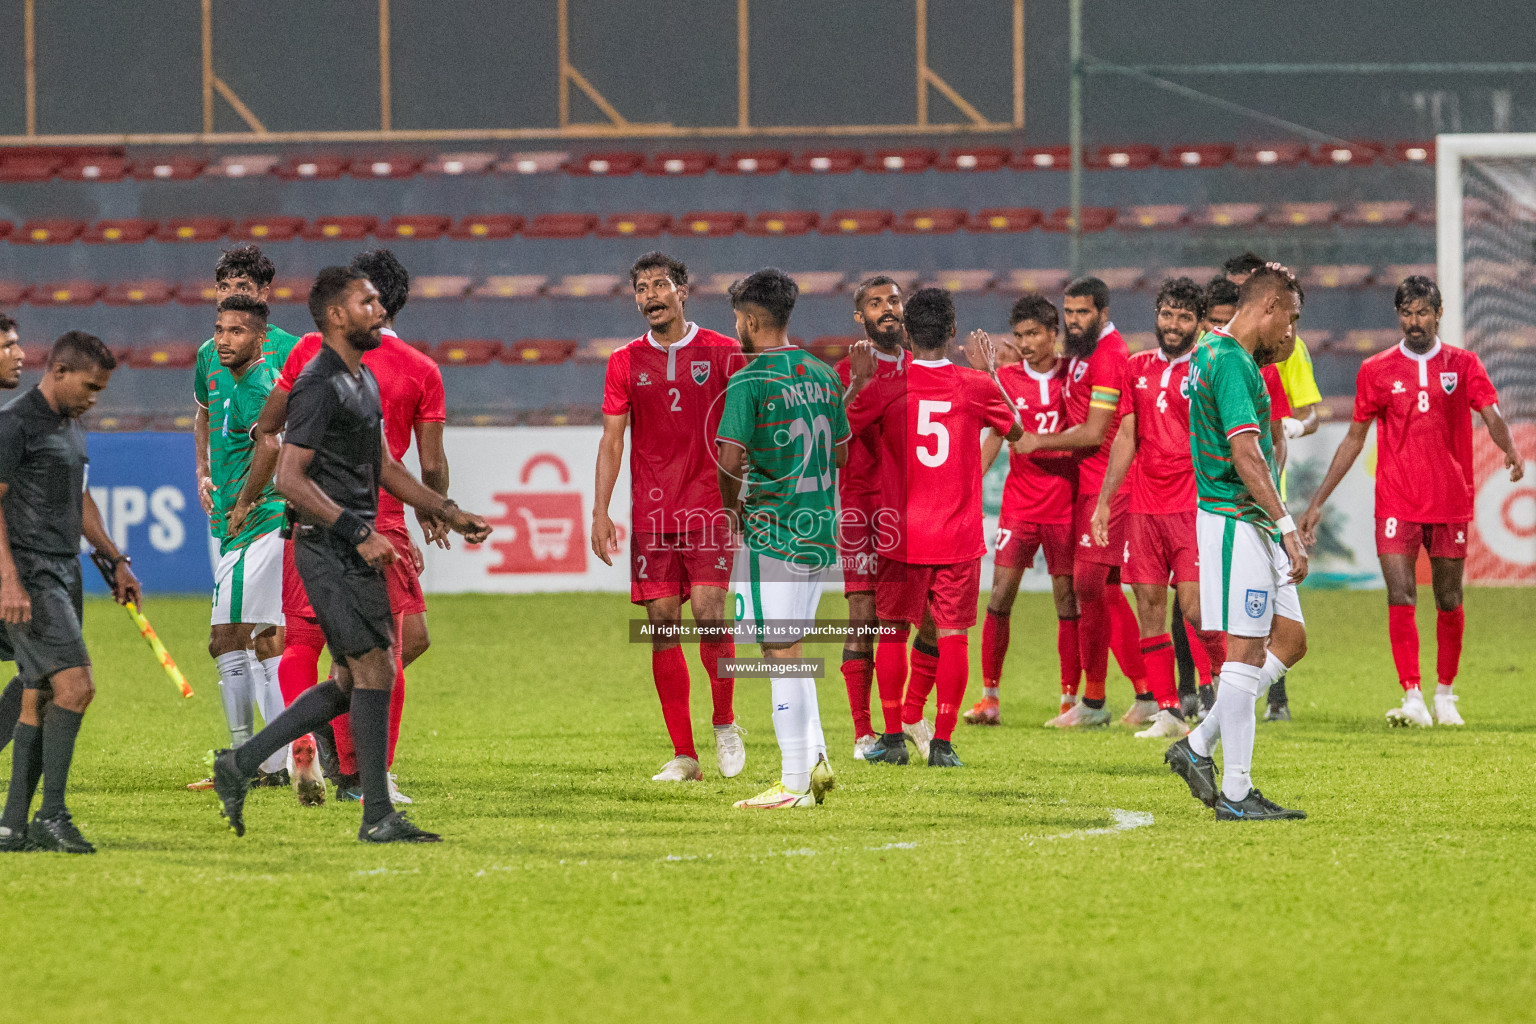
(1037, 504)
(927, 427)
(1152, 451)
(1421, 394)
(666, 387)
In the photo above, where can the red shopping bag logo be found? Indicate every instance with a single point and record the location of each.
(539, 531)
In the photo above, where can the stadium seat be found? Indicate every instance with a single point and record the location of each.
(198, 292)
(243, 165)
(466, 353)
(1317, 340)
(818, 282)
(539, 351)
(1414, 152)
(560, 225)
(1368, 341)
(1424, 213)
(268, 229)
(541, 162)
(290, 289)
(192, 229)
(6, 227)
(1393, 275)
(1200, 275)
(1120, 279)
(424, 347)
(1300, 214)
(440, 287)
(1200, 155)
(782, 222)
(1352, 275)
(974, 158)
(831, 347)
(339, 229)
(754, 161)
(595, 351)
(610, 165)
(139, 293)
(1228, 215)
(688, 162)
(130, 229)
(1165, 215)
(1355, 154)
(171, 168)
(29, 165)
(162, 357)
(1041, 158)
(1134, 157)
(826, 161)
(1270, 154)
(586, 286)
(634, 225)
(49, 231)
(487, 227)
(716, 284)
(1047, 282)
(856, 222)
(459, 163)
(905, 279)
(1140, 341)
(422, 225)
(66, 293)
(13, 293)
(104, 167)
(384, 167)
(1095, 218)
(965, 281)
(1388, 214)
(1013, 218)
(929, 222)
(907, 161)
(709, 223)
(311, 168)
(510, 286)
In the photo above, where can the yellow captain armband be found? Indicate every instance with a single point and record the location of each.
(1104, 398)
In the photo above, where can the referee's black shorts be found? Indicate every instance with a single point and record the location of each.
(350, 597)
(51, 642)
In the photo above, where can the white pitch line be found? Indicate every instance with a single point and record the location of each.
(1124, 821)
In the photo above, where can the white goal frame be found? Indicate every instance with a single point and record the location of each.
(1450, 151)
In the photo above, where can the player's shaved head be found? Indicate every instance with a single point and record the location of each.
(79, 352)
(931, 320)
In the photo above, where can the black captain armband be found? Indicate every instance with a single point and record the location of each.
(351, 527)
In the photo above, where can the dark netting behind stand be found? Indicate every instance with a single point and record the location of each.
(1499, 274)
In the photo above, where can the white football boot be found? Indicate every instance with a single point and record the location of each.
(1412, 712)
(1165, 725)
(1445, 709)
(730, 752)
(679, 769)
(920, 733)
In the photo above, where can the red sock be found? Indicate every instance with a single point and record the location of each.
(1197, 653)
(891, 675)
(858, 677)
(300, 667)
(925, 672)
(954, 667)
(1403, 630)
(1449, 628)
(994, 647)
(1125, 637)
(346, 753)
(1157, 653)
(1093, 628)
(1214, 643)
(397, 691)
(670, 670)
(721, 691)
(1071, 657)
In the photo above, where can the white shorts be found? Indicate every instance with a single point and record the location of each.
(775, 600)
(248, 583)
(1243, 577)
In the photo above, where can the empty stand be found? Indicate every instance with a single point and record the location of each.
(1119, 158)
(1041, 158)
(192, 229)
(539, 162)
(964, 281)
(466, 353)
(465, 164)
(1200, 155)
(560, 225)
(170, 168)
(709, 223)
(687, 163)
(856, 222)
(611, 164)
(1165, 215)
(818, 282)
(1387, 214)
(634, 225)
(95, 167)
(510, 286)
(49, 231)
(290, 289)
(440, 287)
(541, 351)
(1328, 155)
(754, 161)
(930, 221)
(127, 230)
(423, 226)
(139, 293)
(268, 229)
(1228, 215)
(162, 357)
(906, 280)
(384, 167)
(1301, 214)
(909, 161)
(974, 158)
(66, 293)
(1120, 279)
(1352, 275)
(311, 168)
(783, 222)
(581, 286)
(1012, 218)
(487, 227)
(595, 351)
(1095, 218)
(339, 229)
(200, 292)
(1047, 282)
(826, 161)
(1270, 154)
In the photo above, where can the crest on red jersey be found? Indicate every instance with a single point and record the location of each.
(1448, 381)
(700, 370)
(1080, 369)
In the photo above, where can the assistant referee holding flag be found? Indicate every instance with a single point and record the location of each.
(331, 467)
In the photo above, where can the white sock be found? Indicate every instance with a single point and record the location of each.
(991, 692)
(1273, 669)
(1413, 693)
(236, 687)
(269, 699)
(1443, 690)
(814, 735)
(1241, 687)
(794, 705)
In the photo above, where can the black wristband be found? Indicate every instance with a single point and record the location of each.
(351, 527)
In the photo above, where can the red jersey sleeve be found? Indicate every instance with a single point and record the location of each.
(1367, 403)
(995, 410)
(1279, 404)
(432, 407)
(616, 385)
(1480, 390)
(292, 367)
(864, 415)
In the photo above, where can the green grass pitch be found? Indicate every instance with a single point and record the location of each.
(570, 887)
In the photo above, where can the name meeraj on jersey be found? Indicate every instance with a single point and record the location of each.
(806, 393)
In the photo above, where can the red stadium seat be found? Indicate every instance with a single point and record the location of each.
(539, 351)
(541, 162)
(1041, 158)
(1200, 155)
(139, 293)
(1389, 214)
(510, 286)
(1414, 152)
(95, 167)
(1095, 218)
(1367, 342)
(459, 164)
(1300, 214)
(634, 225)
(13, 293)
(826, 161)
(291, 289)
(709, 223)
(1047, 282)
(1135, 157)
(715, 284)
(243, 165)
(339, 229)
(856, 222)
(1012, 218)
(1228, 215)
(312, 168)
(199, 292)
(586, 286)
(268, 229)
(832, 347)
(1353, 155)
(162, 357)
(466, 353)
(974, 158)
(965, 281)
(29, 165)
(131, 229)
(908, 161)
(906, 280)
(605, 164)
(688, 162)
(1120, 279)
(754, 161)
(1351, 275)
(424, 225)
(1160, 216)
(1394, 274)
(595, 351)
(440, 287)
(818, 282)
(1200, 275)
(66, 293)
(1270, 154)
(1424, 213)
(50, 231)
(384, 167)
(929, 222)
(171, 168)
(6, 227)
(560, 225)
(487, 227)
(192, 229)
(783, 222)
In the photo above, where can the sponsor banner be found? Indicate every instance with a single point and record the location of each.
(146, 488)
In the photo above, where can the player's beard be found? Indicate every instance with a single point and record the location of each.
(1418, 339)
(365, 339)
(1080, 345)
(886, 333)
(1182, 343)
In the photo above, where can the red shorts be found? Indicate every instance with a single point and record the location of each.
(1398, 537)
(949, 592)
(1017, 542)
(295, 600)
(1161, 548)
(857, 557)
(670, 564)
(405, 596)
(1113, 553)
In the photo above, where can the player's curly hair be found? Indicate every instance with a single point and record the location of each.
(930, 318)
(329, 284)
(245, 304)
(1182, 293)
(388, 275)
(6, 324)
(771, 290)
(77, 350)
(655, 259)
(245, 261)
(1036, 307)
(1415, 288)
(1220, 291)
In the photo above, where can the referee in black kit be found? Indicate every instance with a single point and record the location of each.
(332, 464)
(44, 510)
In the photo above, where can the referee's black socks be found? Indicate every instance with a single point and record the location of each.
(26, 754)
(312, 709)
(370, 737)
(10, 710)
(60, 727)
